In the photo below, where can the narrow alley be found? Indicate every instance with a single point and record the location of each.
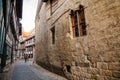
(27, 71)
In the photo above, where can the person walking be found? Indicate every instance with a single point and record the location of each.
(25, 57)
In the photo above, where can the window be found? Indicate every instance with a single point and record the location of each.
(53, 34)
(53, 6)
(78, 22)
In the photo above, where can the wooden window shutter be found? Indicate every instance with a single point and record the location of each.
(72, 20)
(82, 21)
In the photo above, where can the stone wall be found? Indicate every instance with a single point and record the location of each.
(95, 56)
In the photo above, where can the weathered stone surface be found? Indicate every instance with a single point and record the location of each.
(114, 66)
(93, 71)
(102, 65)
(92, 57)
(105, 72)
(116, 74)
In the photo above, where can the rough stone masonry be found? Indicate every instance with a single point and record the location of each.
(95, 56)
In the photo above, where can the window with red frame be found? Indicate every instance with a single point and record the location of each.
(78, 22)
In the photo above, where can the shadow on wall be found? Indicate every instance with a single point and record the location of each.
(53, 68)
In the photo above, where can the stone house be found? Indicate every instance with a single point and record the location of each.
(79, 39)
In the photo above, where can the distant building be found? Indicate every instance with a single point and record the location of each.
(27, 45)
(30, 45)
(79, 39)
(21, 49)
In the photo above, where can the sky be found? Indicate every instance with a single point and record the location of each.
(29, 13)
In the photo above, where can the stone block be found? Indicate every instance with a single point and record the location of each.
(105, 72)
(114, 66)
(116, 74)
(100, 77)
(115, 78)
(93, 71)
(85, 70)
(82, 64)
(94, 77)
(102, 65)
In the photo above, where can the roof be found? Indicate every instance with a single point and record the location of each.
(31, 35)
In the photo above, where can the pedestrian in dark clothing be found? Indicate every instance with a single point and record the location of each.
(25, 57)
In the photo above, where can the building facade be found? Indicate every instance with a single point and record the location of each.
(21, 49)
(10, 29)
(27, 45)
(79, 39)
(30, 46)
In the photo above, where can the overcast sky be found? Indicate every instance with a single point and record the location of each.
(29, 13)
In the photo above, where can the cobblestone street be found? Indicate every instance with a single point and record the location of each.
(28, 71)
